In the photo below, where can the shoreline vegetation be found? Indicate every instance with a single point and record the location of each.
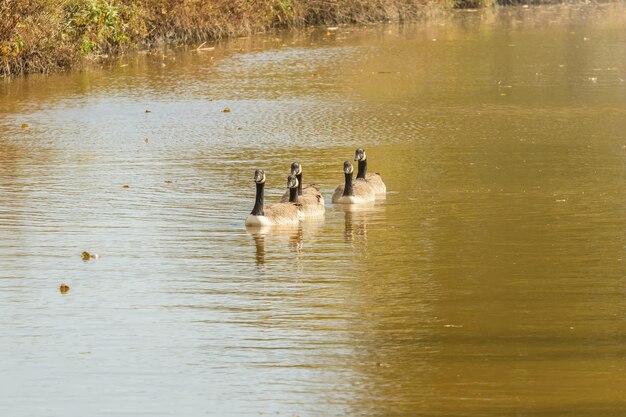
(43, 36)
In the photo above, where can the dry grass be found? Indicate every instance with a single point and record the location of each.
(31, 37)
(46, 35)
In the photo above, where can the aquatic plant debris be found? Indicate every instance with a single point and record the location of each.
(226, 110)
(64, 288)
(87, 256)
(24, 125)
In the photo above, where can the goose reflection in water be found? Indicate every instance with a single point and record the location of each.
(356, 220)
(277, 239)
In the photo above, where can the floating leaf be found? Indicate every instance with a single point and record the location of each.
(64, 289)
(226, 110)
(24, 125)
(125, 186)
(87, 256)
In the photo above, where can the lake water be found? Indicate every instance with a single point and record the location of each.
(490, 282)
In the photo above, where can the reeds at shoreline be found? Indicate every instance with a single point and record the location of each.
(42, 36)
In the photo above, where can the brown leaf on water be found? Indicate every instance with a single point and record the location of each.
(125, 186)
(168, 181)
(148, 111)
(226, 110)
(24, 125)
(64, 289)
(87, 256)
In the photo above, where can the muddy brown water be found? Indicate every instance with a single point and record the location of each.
(491, 282)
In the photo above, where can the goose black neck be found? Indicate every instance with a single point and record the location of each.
(299, 177)
(347, 189)
(362, 170)
(258, 202)
(293, 195)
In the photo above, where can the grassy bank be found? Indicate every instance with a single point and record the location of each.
(48, 35)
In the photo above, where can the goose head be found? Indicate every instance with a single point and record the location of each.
(292, 182)
(296, 168)
(359, 155)
(259, 176)
(347, 167)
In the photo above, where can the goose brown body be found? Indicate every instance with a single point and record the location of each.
(376, 182)
(281, 214)
(362, 193)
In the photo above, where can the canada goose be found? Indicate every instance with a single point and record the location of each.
(309, 196)
(276, 214)
(353, 192)
(374, 180)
